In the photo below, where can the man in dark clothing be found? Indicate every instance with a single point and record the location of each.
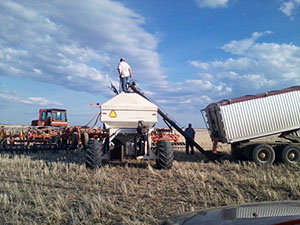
(190, 132)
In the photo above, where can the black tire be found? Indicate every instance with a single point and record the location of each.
(291, 154)
(239, 152)
(235, 152)
(94, 154)
(263, 154)
(165, 155)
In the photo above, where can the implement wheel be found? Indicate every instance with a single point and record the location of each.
(74, 142)
(263, 154)
(85, 139)
(94, 154)
(165, 155)
(291, 154)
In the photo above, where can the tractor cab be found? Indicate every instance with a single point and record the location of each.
(51, 117)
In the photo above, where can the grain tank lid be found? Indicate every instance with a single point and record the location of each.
(129, 101)
(262, 95)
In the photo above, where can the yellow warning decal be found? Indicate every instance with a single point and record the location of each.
(113, 114)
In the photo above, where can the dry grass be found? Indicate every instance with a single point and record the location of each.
(56, 188)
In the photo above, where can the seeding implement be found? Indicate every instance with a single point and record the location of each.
(129, 131)
(46, 138)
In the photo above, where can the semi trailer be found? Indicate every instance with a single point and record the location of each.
(243, 122)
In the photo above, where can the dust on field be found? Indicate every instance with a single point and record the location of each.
(56, 188)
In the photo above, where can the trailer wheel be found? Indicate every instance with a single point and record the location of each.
(94, 154)
(291, 154)
(165, 155)
(263, 154)
(237, 152)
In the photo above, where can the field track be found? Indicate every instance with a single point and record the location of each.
(56, 188)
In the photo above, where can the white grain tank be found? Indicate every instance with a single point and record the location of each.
(126, 109)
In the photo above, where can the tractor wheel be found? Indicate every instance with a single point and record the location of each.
(165, 155)
(263, 154)
(94, 154)
(291, 154)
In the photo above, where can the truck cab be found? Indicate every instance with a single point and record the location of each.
(51, 117)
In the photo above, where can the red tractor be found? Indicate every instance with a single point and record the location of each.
(51, 117)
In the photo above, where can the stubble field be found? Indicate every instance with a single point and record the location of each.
(56, 188)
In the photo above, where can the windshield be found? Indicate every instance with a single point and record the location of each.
(59, 116)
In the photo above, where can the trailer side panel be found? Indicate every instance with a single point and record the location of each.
(255, 117)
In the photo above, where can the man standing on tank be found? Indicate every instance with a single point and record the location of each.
(124, 73)
(190, 132)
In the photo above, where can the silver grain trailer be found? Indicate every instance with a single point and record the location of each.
(241, 121)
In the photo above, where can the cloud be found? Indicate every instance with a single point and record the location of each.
(254, 66)
(239, 47)
(76, 45)
(211, 3)
(192, 94)
(288, 7)
(41, 101)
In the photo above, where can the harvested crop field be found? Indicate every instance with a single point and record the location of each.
(56, 188)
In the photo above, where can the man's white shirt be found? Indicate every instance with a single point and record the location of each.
(124, 69)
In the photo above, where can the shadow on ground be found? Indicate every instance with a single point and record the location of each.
(181, 156)
(220, 157)
(64, 156)
(72, 156)
(78, 157)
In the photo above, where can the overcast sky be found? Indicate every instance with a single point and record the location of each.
(184, 54)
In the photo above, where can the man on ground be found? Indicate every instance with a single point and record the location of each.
(190, 132)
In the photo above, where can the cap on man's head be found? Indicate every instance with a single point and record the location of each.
(122, 59)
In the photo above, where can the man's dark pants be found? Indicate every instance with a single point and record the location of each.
(187, 145)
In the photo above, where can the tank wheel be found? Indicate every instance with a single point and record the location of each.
(263, 154)
(165, 155)
(94, 154)
(291, 154)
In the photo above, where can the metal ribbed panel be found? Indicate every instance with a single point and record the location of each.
(260, 117)
(263, 212)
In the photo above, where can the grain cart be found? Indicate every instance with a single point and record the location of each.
(241, 121)
(129, 120)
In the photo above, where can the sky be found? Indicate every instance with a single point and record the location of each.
(183, 54)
